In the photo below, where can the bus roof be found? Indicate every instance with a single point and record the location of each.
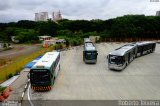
(122, 50)
(89, 47)
(144, 43)
(46, 61)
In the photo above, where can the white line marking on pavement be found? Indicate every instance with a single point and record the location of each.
(29, 99)
(22, 95)
(25, 86)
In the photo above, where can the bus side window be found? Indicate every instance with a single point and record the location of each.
(55, 65)
(57, 60)
(134, 51)
(53, 68)
(139, 49)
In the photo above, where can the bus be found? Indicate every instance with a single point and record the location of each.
(90, 53)
(145, 48)
(45, 71)
(87, 40)
(121, 57)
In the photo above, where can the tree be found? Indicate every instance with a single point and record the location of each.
(26, 35)
(47, 28)
(26, 24)
(66, 32)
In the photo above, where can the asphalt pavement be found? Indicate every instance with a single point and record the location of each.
(78, 81)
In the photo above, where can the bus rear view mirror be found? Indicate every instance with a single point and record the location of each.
(28, 76)
(107, 56)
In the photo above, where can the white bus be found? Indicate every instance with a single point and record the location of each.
(45, 71)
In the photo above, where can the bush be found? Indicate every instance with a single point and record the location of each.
(2, 88)
(10, 75)
(17, 73)
(58, 46)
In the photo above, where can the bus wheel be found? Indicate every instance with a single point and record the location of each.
(126, 63)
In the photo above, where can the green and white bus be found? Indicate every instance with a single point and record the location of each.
(45, 71)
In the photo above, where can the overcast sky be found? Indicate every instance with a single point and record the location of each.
(14, 10)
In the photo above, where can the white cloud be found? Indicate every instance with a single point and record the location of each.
(14, 10)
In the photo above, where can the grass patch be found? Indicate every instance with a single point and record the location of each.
(20, 62)
(2, 88)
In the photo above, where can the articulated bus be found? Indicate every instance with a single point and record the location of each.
(90, 53)
(121, 57)
(45, 71)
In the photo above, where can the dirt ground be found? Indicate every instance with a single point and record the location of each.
(17, 51)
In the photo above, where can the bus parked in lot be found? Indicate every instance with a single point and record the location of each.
(90, 53)
(145, 48)
(45, 71)
(121, 57)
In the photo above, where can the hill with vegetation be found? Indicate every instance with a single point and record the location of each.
(132, 27)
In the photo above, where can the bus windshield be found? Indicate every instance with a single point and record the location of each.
(116, 60)
(40, 76)
(91, 55)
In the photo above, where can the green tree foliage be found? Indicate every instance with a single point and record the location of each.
(26, 24)
(26, 35)
(128, 26)
(47, 28)
(66, 32)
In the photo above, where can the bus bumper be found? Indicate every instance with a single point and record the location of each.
(41, 88)
(116, 67)
(90, 61)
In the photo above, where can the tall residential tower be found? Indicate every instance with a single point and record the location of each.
(158, 13)
(56, 16)
(41, 16)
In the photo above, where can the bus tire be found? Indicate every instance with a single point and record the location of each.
(125, 65)
(151, 51)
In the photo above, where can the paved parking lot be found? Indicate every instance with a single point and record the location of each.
(80, 81)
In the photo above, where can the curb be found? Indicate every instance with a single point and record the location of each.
(25, 89)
